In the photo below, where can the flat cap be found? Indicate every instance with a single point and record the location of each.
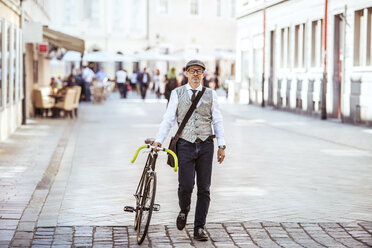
(195, 62)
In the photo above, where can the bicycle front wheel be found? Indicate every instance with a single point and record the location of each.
(146, 208)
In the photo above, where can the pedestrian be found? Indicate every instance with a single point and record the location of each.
(80, 82)
(206, 79)
(184, 79)
(88, 76)
(144, 80)
(156, 81)
(71, 82)
(171, 83)
(101, 75)
(121, 80)
(195, 147)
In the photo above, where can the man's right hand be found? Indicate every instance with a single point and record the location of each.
(157, 144)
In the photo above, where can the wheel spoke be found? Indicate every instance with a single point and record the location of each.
(146, 208)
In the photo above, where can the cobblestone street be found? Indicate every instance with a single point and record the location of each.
(287, 181)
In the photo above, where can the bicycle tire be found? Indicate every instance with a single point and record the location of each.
(147, 206)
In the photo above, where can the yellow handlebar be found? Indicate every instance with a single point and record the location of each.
(138, 150)
(160, 149)
(174, 157)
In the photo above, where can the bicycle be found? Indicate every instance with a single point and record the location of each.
(146, 190)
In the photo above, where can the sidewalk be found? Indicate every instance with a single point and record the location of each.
(24, 158)
(288, 181)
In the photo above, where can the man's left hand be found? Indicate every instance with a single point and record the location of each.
(220, 155)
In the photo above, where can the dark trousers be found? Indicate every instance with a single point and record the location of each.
(195, 160)
(87, 91)
(123, 90)
(143, 90)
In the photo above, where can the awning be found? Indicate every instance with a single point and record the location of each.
(63, 40)
(100, 56)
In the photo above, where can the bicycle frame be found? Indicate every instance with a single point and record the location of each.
(149, 168)
(146, 189)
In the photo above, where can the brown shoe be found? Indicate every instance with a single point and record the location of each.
(200, 235)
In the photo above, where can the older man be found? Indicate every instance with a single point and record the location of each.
(195, 147)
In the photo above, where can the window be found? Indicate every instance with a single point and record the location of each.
(316, 43)
(233, 2)
(299, 58)
(245, 66)
(69, 12)
(285, 47)
(194, 7)
(92, 11)
(362, 37)
(117, 15)
(9, 47)
(282, 50)
(20, 66)
(14, 63)
(219, 8)
(163, 6)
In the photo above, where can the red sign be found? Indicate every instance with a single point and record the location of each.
(43, 48)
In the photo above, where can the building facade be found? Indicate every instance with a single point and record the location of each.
(11, 84)
(281, 51)
(163, 26)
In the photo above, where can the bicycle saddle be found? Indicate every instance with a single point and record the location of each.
(149, 141)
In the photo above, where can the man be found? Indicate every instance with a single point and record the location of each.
(144, 79)
(88, 76)
(195, 147)
(121, 78)
(101, 74)
(184, 79)
(79, 81)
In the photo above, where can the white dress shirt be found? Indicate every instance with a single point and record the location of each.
(88, 75)
(121, 76)
(170, 117)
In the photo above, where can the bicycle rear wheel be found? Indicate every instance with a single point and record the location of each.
(146, 208)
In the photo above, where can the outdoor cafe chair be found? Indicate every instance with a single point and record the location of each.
(76, 99)
(67, 106)
(42, 103)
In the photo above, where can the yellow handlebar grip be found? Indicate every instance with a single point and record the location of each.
(174, 157)
(138, 150)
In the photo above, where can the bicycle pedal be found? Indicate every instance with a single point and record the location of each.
(156, 207)
(129, 209)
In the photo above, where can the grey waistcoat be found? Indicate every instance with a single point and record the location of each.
(200, 122)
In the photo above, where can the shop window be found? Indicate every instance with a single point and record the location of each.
(362, 37)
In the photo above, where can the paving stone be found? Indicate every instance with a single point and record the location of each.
(21, 243)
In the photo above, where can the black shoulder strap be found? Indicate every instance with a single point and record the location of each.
(189, 113)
